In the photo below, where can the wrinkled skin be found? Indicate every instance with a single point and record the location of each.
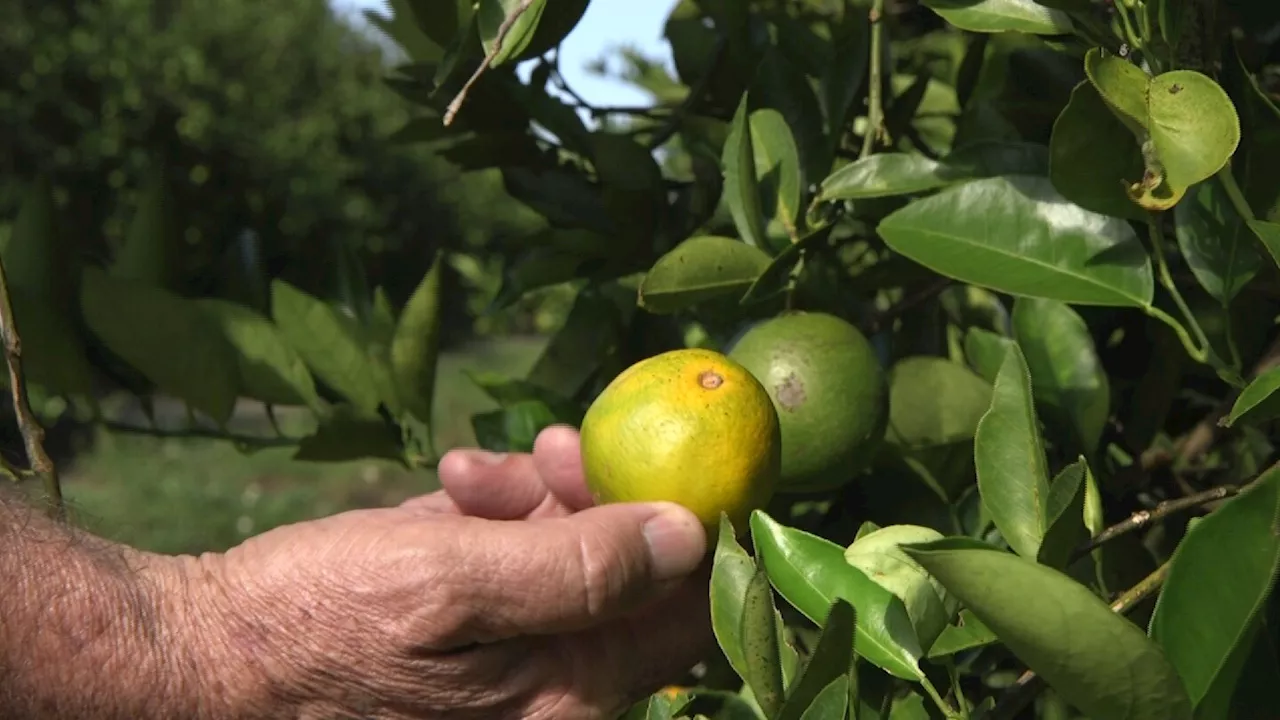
(504, 595)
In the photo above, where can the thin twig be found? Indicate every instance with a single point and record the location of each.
(1029, 684)
(199, 433)
(28, 425)
(875, 104)
(1144, 518)
(696, 91)
(456, 104)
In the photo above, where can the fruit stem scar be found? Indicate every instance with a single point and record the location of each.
(710, 379)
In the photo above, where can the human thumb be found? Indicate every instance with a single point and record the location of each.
(570, 573)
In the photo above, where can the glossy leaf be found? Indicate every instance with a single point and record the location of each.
(1269, 234)
(832, 658)
(1193, 124)
(1098, 661)
(731, 573)
(832, 703)
(994, 16)
(884, 175)
(521, 18)
(966, 633)
(1065, 516)
(985, 351)
(699, 269)
(166, 338)
(741, 191)
(1220, 579)
(1017, 235)
(1013, 477)
(1123, 86)
(578, 348)
(329, 344)
(1093, 157)
(1259, 402)
(758, 635)
(1067, 376)
(810, 573)
(270, 369)
(777, 167)
(1215, 242)
(878, 555)
(415, 346)
(933, 401)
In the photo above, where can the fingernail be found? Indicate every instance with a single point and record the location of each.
(489, 458)
(677, 543)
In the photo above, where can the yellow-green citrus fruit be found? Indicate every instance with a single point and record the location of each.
(830, 392)
(687, 426)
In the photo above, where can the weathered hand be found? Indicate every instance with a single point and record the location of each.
(504, 595)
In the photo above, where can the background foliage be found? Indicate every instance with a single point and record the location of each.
(1055, 219)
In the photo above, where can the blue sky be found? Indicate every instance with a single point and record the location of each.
(607, 24)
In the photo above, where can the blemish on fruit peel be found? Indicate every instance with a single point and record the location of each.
(710, 379)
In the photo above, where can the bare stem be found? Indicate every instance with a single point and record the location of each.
(1145, 518)
(456, 104)
(28, 425)
(875, 103)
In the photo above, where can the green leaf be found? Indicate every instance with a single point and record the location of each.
(758, 634)
(985, 351)
(1123, 87)
(1190, 121)
(699, 269)
(270, 369)
(1007, 450)
(38, 255)
(514, 427)
(662, 705)
(1016, 234)
(810, 573)
(53, 352)
(966, 633)
(346, 436)
(731, 573)
(1067, 376)
(1269, 234)
(591, 329)
(831, 660)
(933, 401)
(415, 346)
(775, 277)
(832, 703)
(1215, 242)
(995, 16)
(777, 167)
(1193, 124)
(1093, 157)
(742, 192)
(522, 17)
(1096, 660)
(1258, 402)
(329, 344)
(1065, 516)
(1220, 578)
(884, 175)
(166, 338)
(879, 555)
(153, 242)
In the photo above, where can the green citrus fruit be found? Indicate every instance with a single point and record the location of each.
(688, 426)
(829, 390)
